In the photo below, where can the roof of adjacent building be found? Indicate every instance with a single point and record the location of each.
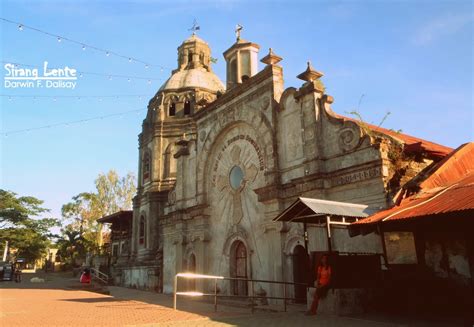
(119, 215)
(412, 144)
(448, 189)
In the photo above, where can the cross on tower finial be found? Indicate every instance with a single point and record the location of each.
(238, 29)
(195, 27)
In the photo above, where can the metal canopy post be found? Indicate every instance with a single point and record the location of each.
(305, 232)
(328, 229)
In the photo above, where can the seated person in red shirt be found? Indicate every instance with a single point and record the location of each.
(85, 276)
(323, 278)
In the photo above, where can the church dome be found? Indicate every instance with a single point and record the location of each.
(195, 38)
(194, 68)
(193, 78)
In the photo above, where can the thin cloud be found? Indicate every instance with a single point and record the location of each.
(441, 27)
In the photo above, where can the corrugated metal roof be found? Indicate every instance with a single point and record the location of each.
(304, 208)
(452, 168)
(457, 197)
(325, 207)
(449, 189)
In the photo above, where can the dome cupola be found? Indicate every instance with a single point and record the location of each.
(193, 82)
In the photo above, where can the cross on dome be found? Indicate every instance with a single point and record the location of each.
(195, 27)
(238, 29)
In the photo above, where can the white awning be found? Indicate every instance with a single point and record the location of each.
(312, 210)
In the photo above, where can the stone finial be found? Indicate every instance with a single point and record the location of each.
(271, 58)
(310, 74)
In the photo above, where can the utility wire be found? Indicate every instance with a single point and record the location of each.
(84, 46)
(13, 96)
(68, 123)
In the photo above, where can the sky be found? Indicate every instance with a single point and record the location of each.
(410, 58)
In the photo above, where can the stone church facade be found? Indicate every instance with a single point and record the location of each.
(217, 163)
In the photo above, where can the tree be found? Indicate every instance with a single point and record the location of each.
(17, 210)
(71, 244)
(112, 194)
(30, 236)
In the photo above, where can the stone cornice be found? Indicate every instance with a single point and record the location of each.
(190, 213)
(297, 186)
(238, 45)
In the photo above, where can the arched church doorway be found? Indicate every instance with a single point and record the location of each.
(301, 272)
(238, 268)
(192, 269)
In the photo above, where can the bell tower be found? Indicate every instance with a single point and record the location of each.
(190, 88)
(241, 59)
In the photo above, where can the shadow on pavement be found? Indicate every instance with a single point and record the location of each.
(148, 302)
(95, 300)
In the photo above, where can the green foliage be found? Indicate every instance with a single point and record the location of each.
(29, 236)
(114, 193)
(17, 210)
(72, 244)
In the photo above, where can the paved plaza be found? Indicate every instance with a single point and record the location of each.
(56, 303)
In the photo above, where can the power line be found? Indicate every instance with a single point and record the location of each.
(73, 122)
(83, 45)
(81, 73)
(78, 97)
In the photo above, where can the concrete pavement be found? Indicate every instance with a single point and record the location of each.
(54, 303)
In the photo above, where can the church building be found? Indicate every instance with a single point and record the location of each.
(219, 161)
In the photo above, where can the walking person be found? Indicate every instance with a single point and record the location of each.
(17, 274)
(322, 283)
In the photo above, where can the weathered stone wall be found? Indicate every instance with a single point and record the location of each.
(287, 143)
(140, 277)
(448, 257)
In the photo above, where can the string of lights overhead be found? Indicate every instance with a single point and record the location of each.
(81, 73)
(12, 97)
(84, 46)
(69, 123)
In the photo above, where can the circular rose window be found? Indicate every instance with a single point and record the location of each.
(236, 177)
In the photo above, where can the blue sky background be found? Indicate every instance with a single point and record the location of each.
(412, 58)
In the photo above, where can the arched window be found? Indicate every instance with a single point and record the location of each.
(142, 231)
(187, 107)
(172, 109)
(146, 166)
(169, 162)
(190, 57)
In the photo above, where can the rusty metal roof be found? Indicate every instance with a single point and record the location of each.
(412, 145)
(450, 188)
